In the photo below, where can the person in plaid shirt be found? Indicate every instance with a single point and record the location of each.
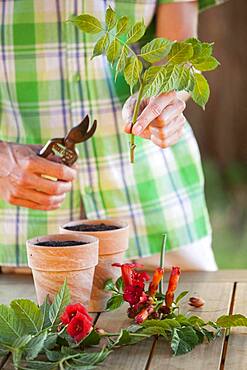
(47, 85)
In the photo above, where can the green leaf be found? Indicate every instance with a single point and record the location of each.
(136, 32)
(201, 91)
(156, 50)
(119, 284)
(228, 321)
(171, 78)
(132, 71)
(110, 18)
(181, 296)
(123, 338)
(113, 51)
(155, 330)
(61, 300)
(11, 326)
(197, 46)
(109, 285)
(191, 83)
(181, 52)
(43, 365)
(206, 50)
(183, 340)
(122, 61)
(3, 351)
(22, 341)
(92, 339)
(45, 307)
(51, 341)
(35, 345)
(53, 355)
(196, 321)
(101, 45)
(153, 79)
(91, 359)
(208, 64)
(87, 23)
(29, 313)
(114, 302)
(122, 25)
(183, 80)
(167, 324)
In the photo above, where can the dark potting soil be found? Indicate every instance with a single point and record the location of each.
(92, 227)
(57, 243)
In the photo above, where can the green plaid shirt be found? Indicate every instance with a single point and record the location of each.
(47, 84)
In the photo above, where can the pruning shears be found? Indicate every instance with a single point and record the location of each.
(64, 148)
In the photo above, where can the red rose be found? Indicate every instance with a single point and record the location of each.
(71, 310)
(79, 327)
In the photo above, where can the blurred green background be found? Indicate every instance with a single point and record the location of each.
(221, 132)
(226, 197)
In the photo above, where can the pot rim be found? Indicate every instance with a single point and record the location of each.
(84, 238)
(123, 225)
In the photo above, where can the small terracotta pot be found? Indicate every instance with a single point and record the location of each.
(52, 265)
(112, 247)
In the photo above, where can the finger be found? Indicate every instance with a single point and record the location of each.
(165, 143)
(33, 181)
(128, 109)
(38, 197)
(152, 111)
(169, 113)
(128, 128)
(29, 204)
(42, 166)
(169, 130)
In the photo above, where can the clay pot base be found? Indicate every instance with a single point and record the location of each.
(92, 227)
(55, 243)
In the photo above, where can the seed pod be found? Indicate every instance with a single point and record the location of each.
(196, 302)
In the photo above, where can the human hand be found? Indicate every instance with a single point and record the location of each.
(21, 183)
(161, 118)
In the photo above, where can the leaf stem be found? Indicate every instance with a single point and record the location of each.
(162, 261)
(134, 119)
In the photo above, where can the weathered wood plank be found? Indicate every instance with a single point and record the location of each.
(16, 286)
(236, 354)
(205, 356)
(132, 357)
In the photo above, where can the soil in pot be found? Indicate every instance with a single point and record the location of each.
(92, 227)
(56, 243)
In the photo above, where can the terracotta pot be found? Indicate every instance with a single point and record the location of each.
(112, 247)
(51, 265)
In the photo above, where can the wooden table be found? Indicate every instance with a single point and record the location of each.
(224, 293)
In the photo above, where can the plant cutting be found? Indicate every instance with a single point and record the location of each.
(54, 258)
(179, 63)
(61, 335)
(113, 236)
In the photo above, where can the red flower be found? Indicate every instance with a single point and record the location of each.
(143, 315)
(71, 310)
(172, 285)
(130, 276)
(134, 282)
(79, 327)
(132, 294)
(153, 287)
